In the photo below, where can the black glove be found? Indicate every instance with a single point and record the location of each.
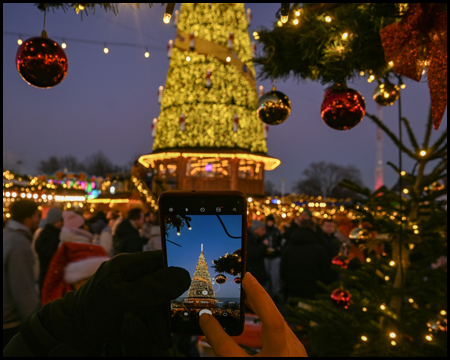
(121, 309)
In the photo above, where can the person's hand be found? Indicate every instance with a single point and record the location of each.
(277, 338)
(126, 295)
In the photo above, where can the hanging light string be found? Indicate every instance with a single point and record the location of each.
(44, 33)
(400, 165)
(145, 47)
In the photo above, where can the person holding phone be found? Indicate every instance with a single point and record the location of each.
(120, 312)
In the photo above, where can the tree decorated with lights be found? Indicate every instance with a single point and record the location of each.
(212, 43)
(392, 297)
(394, 301)
(201, 287)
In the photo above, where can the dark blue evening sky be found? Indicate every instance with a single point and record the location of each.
(107, 102)
(206, 230)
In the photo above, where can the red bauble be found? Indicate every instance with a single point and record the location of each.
(41, 62)
(342, 108)
(341, 298)
(339, 261)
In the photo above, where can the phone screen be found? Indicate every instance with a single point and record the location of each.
(205, 234)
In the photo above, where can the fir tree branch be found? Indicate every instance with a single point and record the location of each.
(393, 137)
(411, 135)
(439, 141)
(428, 131)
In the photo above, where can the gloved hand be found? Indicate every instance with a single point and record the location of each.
(123, 306)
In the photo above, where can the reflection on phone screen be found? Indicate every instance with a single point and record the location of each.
(209, 248)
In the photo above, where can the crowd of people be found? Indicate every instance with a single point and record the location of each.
(290, 261)
(44, 259)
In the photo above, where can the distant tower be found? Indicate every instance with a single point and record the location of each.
(379, 152)
(209, 136)
(201, 292)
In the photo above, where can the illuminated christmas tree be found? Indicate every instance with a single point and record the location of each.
(208, 128)
(201, 292)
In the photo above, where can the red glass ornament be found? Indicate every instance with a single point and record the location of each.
(338, 261)
(341, 298)
(41, 62)
(342, 108)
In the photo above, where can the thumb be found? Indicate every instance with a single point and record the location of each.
(220, 341)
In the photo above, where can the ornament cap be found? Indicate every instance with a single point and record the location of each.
(44, 34)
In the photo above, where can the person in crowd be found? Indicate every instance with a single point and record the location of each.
(106, 236)
(48, 241)
(119, 313)
(272, 257)
(127, 238)
(73, 229)
(71, 266)
(20, 297)
(96, 225)
(256, 249)
(36, 234)
(331, 244)
(303, 262)
(146, 229)
(295, 223)
(154, 237)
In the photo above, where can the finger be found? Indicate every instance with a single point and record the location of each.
(220, 341)
(274, 325)
(154, 289)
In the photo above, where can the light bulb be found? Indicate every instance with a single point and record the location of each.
(19, 41)
(63, 45)
(423, 153)
(147, 54)
(166, 18)
(344, 36)
(106, 50)
(295, 22)
(328, 18)
(284, 18)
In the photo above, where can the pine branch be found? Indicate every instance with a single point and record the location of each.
(439, 141)
(393, 137)
(411, 135)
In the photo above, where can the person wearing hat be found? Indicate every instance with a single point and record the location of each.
(272, 257)
(48, 241)
(71, 266)
(256, 249)
(72, 230)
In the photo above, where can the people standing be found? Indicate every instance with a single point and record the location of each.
(256, 249)
(48, 241)
(20, 297)
(272, 257)
(72, 230)
(127, 238)
(303, 262)
(71, 266)
(152, 233)
(106, 236)
(331, 244)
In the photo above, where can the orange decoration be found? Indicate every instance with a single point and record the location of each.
(420, 40)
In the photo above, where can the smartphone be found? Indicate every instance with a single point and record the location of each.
(205, 232)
